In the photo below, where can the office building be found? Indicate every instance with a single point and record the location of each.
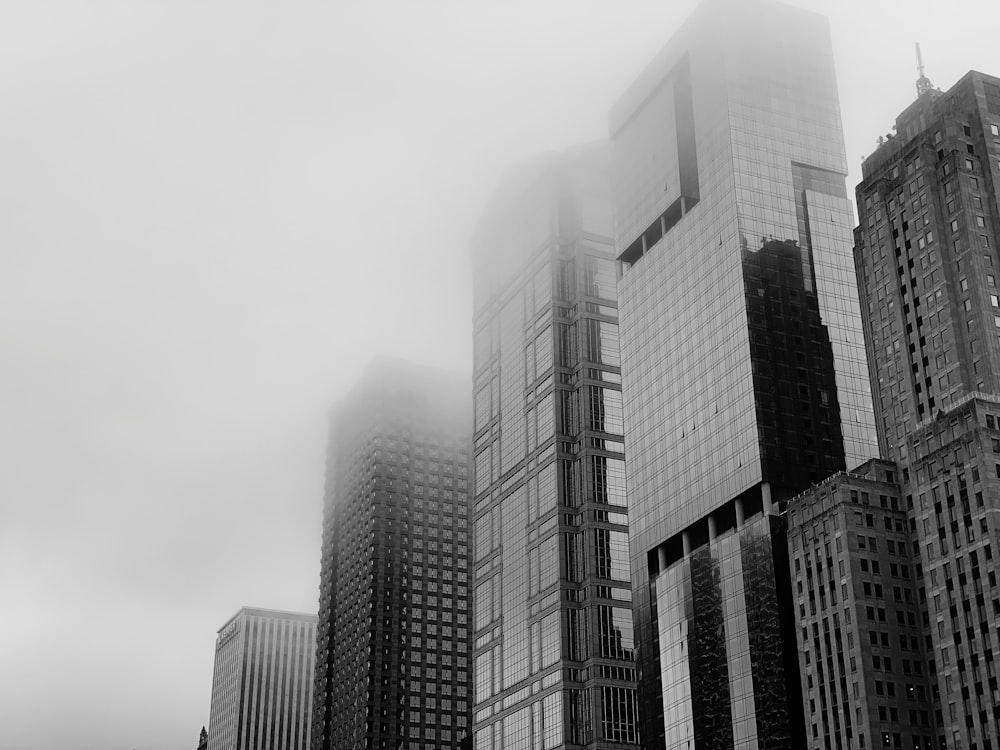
(262, 685)
(554, 645)
(927, 264)
(862, 639)
(743, 364)
(392, 667)
(926, 257)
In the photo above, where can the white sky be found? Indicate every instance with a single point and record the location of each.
(211, 215)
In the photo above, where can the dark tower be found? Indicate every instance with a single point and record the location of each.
(927, 266)
(392, 665)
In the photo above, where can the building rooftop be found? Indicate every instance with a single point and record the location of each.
(274, 614)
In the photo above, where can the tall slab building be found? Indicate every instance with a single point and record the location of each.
(927, 263)
(262, 682)
(392, 660)
(554, 645)
(743, 362)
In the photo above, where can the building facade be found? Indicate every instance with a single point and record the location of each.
(554, 645)
(743, 363)
(927, 264)
(861, 633)
(262, 684)
(392, 664)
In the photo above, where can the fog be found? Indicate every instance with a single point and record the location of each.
(212, 214)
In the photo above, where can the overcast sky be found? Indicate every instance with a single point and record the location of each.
(211, 215)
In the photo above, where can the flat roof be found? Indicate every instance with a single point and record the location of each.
(274, 614)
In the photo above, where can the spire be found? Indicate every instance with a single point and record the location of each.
(923, 82)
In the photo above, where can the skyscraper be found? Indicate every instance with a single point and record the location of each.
(927, 264)
(743, 364)
(393, 639)
(262, 684)
(926, 257)
(554, 664)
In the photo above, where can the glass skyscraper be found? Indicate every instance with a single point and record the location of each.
(743, 361)
(392, 666)
(554, 646)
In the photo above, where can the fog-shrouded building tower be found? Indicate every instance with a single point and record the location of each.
(262, 683)
(554, 646)
(927, 264)
(743, 363)
(392, 664)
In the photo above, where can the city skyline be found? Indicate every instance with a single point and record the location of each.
(172, 334)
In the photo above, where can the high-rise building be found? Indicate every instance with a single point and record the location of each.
(927, 264)
(863, 651)
(262, 685)
(392, 666)
(927, 258)
(743, 363)
(554, 645)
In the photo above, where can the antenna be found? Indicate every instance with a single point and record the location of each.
(923, 82)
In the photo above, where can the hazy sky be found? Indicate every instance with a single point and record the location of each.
(211, 215)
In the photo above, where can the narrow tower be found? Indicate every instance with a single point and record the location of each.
(554, 653)
(392, 665)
